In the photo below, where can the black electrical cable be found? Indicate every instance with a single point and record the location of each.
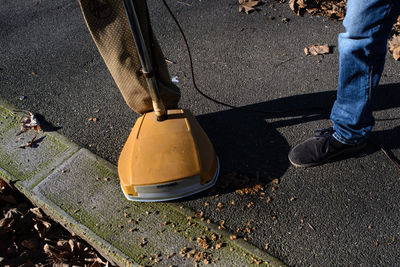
(315, 109)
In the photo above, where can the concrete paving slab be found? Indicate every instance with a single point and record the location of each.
(29, 165)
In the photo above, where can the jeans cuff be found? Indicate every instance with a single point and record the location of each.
(346, 141)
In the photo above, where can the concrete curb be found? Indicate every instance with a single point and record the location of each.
(81, 191)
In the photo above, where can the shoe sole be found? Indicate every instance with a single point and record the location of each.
(345, 151)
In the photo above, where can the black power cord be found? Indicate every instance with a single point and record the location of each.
(314, 109)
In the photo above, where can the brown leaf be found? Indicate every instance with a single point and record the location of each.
(248, 5)
(80, 247)
(293, 6)
(71, 245)
(332, 9)
(49, 249)
(394, 46)
(203, 242)
(13, 214)
(396, 53)
(298, 7)
(313, 11)
(317, 50)
(63, 244)
(42, 227)
(30, 143)
(37, 212)
(5, 223)
(29, 122)
(336, 12)
(394, 42)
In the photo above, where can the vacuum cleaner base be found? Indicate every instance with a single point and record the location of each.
(165, 160)
(181, 189)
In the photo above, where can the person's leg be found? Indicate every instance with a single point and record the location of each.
(362, 50)
(110, 30)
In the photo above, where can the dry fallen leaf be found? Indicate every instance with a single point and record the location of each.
(394, 46)
(203, 242)
(48, 249)
(396, 53)
(25, 229)
(29, 122)
(317, 50)
(332, 9)
(298, 6)
(42, 228)
(248, 5)
(30, 143)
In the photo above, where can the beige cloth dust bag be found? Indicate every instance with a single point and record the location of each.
(110, 31)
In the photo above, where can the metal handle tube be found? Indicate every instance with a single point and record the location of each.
(145, 61)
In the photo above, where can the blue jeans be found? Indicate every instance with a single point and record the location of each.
(362, 51)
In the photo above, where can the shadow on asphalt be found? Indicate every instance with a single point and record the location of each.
(252, 151)
(45, 125)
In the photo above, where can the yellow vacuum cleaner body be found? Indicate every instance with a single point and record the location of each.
(166, 160)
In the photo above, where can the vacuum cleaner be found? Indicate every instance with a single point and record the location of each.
(167, 154)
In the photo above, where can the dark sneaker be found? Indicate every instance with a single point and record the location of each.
(319, 149)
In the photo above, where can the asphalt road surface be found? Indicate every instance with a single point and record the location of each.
(344, 213)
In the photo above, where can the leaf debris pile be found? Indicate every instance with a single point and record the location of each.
(242, 184)
(30, 238)
(334, 9)
(250, 190)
